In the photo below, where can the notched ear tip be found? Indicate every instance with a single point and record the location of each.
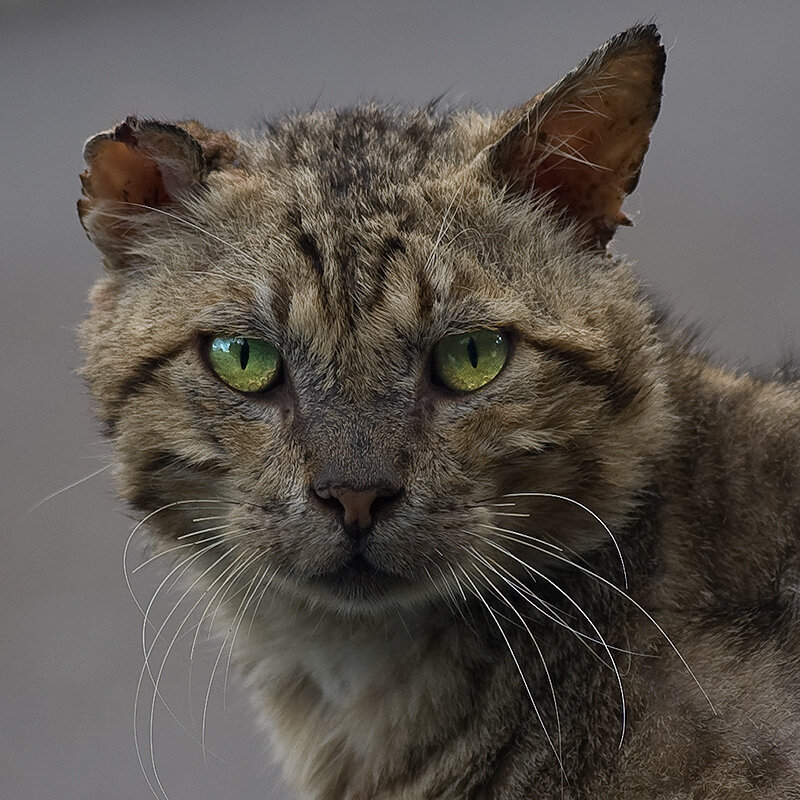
(137, 167)
(142, 161)
(124, 131)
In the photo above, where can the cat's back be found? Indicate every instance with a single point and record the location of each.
(729, 594)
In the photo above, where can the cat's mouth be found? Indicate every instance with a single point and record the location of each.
(358, 576)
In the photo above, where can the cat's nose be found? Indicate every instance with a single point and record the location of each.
(358, 504)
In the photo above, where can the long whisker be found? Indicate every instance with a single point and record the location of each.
(249, 595)
(486, 605)
(166, 552)
(221, 588)
(503, 598)
(525, 593)
(580, 610)
(67, 488)
(138, 527)
(146, 670)
(542, 542)
(653, 622)
(588, 511)
(590, 573)
(558, 617)
(202, 502)
(230, 581)
(185, 565)
(439, 590)
(157, 693)
(156, 680)
(205, 530)
(453, 603)
(260, 598)
(233, 570)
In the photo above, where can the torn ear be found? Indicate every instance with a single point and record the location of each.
(135, 170)
(581, 143)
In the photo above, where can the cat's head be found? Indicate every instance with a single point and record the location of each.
(376, 356)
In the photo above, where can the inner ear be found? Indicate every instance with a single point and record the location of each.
(142, 161)
(120, 173)
(133, 171)
(582, 142)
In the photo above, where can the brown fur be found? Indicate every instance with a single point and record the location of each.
(473, 662)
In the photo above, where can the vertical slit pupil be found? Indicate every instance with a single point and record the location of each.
(244, 354)
(472, 352)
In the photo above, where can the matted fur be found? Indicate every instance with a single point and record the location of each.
(490, 662)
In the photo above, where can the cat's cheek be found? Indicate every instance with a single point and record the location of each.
(102, 297)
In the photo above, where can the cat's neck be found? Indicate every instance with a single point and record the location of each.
(355, 701)
(351, 698)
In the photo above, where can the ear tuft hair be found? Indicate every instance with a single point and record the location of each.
(581, 143)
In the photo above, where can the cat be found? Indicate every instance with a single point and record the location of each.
(497, 528)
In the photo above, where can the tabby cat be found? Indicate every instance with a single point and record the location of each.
(494, 528)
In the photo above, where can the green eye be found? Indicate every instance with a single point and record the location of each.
(465, 362)
(249, 365)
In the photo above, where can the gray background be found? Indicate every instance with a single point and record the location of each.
(716, 236)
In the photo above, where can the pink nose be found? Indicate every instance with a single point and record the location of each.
(358, 504)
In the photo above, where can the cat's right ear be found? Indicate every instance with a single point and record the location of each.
(140, 170)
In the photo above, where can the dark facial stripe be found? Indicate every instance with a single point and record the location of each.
(390, 248)
(619, 393)
(163, 461)
(307, 244)
(425, 294)
(142, 374)
(280, 302)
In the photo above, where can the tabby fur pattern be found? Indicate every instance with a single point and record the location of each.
(584, 581)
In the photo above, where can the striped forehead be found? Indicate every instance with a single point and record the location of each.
(352, 236)
(358, 291)
(357, 303)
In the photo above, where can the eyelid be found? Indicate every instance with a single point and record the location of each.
(228, 319)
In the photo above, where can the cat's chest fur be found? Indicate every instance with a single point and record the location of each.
(352, 700)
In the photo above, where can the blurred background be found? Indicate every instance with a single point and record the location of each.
(717, 216)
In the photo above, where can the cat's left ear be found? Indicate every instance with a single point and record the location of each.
(581, 143)
(140, 169)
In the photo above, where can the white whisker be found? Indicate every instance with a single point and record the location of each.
(588, 511)
(155, 679)
(527, 536)
(580, 610)
(218, 538)
(249, 595)
(67, 488)
(518, 666)
(230, 581)
(548, 677)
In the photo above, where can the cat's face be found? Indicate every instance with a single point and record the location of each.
(282, 350)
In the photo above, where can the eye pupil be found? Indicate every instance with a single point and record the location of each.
(465, 362)
(472, 352)
(245, 364)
